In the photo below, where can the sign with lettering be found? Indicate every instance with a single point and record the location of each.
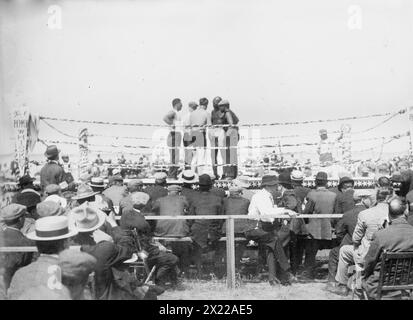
(83, 152)
(20, 124)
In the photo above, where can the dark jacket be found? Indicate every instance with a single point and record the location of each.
(155, 192)
(301, 192)
(218, 192)
(205, 231)
(28, 197)
(108, 256)
(190, 194)
(397, 237)
(51, 173)
(237, 205)
(171, 205)
(11, 262)
(344, 201)
(346, 225)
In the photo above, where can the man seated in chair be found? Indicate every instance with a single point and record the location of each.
(396, 237)
(157, 255)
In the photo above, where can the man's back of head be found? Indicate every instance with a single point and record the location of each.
(397, 208)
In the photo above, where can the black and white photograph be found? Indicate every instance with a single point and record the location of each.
(227, 151)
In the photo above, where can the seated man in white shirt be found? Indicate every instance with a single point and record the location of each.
(262, 205)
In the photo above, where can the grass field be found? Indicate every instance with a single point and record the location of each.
(216, 290)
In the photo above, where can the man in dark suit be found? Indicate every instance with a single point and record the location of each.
(11, 236)
(397, 237)
(158, 190)
(344, 200)
(344, 232)
(52, 172)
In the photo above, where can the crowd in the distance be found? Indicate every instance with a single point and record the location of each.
(102, 247)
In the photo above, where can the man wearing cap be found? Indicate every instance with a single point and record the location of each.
(157, 190)
(76, 266)
(198, 119)
(116, 191)
(205, 233)
(134, 185)
(320, 201)
(173, 119)
(13, 217)
(216, 135)
(265, 233)
(325, 148)
(28, 197)
(397, 237)
(369, 221)
(51, 237)
(52, 172)
(344, 231)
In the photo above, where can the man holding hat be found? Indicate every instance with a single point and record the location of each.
(344, 231)
(320, 201)
(13, 217)
(51, 237)
(265, 232)
(52, 172)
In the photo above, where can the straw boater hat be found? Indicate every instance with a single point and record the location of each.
(52, 228)
(84, 191)
(189, 176)
(86, 218)
(241, 181)
(297, 175)
(97, 182)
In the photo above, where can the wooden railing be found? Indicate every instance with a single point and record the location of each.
(230, 239)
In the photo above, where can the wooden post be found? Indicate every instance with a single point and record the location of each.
(230, 254)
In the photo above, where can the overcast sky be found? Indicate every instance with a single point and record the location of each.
(125, 61)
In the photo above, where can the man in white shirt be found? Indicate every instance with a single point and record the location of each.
(173, 119)
(262, 205)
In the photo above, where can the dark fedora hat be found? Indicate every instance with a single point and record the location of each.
(205, 180)
(51, 151)
(26, 179)
(321, 176)
(269, 180)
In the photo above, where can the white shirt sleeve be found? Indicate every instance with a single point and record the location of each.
(262, 205)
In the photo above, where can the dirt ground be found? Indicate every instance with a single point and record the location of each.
(216, 290)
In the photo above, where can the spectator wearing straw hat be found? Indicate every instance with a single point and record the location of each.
(50, 208)
(101, 201)
(53, 193)
(108, 254)
(188, 179)
(51, 237)
(76, 266)
(13, 217)
(320, 201)
(52, 172)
